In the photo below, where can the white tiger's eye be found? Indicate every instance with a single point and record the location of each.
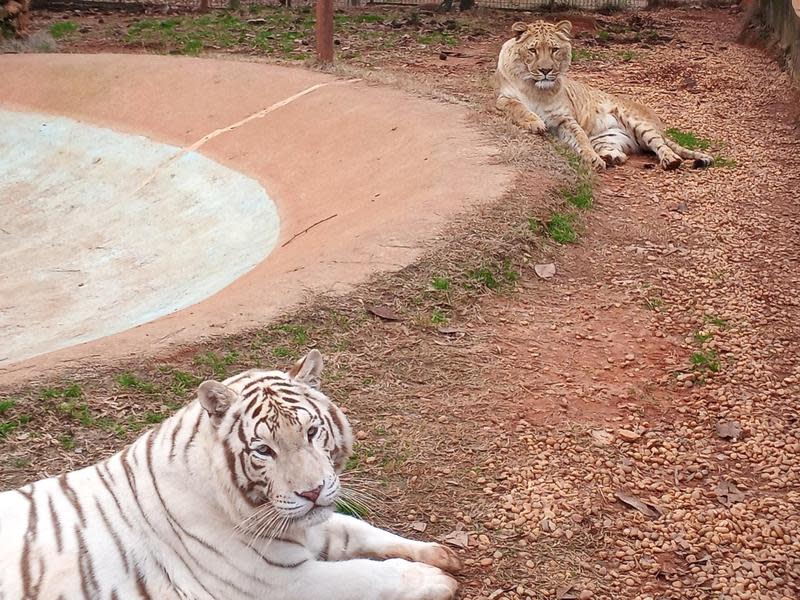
(312, 433)
(263, 451)
(556, 50)
(532, 50)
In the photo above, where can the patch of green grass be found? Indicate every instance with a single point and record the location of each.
(299, 333)
(438, 37)
(67, 441)
(603, 35)
(282, 352)
(688, 140)
(6, 405)
(580, 196)
(485, 277)
(360, 452)
(560, 228)
(438, 317)
(654, 302)
(510, 274)
(707, 360)
(218, 364)
(579, 54)
(63, 28)
(701, 337)
(183, 383)
(441, 283)
(722, 162)
(77, 412)
(719, 322)
(129, 381)
(627, 55)
(71, 391)
(192, 46)
(151, 418)
(11, 425)
(20, 462)
(575, 162)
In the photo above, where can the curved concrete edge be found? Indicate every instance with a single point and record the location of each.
(363, 176)
(88, 251)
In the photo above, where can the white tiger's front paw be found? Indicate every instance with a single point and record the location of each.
(438, 556)
(418, 581)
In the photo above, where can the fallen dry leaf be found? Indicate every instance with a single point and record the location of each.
(419, 526)
(727, 493)
(601, 437)
(628, 435)
(384, 312)
(729, 430)
(459, 539)
(545, 271)
(449, 330)
(568, 593)
(647, 509)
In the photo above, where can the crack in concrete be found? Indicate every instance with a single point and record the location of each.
(217, 132)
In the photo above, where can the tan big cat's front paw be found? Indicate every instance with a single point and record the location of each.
(533, 124)
(598, 164)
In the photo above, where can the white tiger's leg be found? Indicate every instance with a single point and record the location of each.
(520, 115)
(342, 538)
(363, 579)
(572, 133)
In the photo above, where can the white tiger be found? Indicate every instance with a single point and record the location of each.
(231, 498)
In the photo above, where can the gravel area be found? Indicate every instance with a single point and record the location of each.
(662, 366)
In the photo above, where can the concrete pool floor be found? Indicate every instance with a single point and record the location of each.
(361, 175)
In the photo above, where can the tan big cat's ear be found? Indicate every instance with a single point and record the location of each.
(564, 27)
(519, 28)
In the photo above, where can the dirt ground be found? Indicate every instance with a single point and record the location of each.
(627, 429)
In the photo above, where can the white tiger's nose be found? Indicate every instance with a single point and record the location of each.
(545, 71)
(311, 495)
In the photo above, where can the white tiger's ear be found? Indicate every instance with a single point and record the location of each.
(216, 398)
(564, 27)
(519, 28)
(308, 369)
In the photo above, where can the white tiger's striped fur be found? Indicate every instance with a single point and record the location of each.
(231, 498)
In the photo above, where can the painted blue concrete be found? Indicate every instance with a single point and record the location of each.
(101, 231)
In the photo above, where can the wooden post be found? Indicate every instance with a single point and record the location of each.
(324, 29)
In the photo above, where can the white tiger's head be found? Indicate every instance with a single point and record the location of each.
(545, 51)
(278, 443)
